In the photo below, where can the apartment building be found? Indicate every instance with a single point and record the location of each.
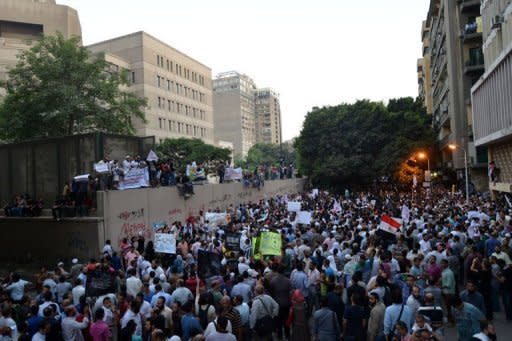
(424, 80)
(492, 94)
(243, 114)
(24, 21)
(268, 116)
(178, 87)
(453, 59)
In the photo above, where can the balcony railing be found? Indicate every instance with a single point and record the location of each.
(475, 63)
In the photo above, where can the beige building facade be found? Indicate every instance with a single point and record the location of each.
(24, 21)
(453, 58)
(178, 88)
(492, 94)
(424, 80)
(268, 116)
(245, 114)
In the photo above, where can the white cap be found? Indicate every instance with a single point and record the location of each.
(74, 260)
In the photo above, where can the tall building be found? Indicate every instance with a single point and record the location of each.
(178, 88)
(23, 21)
(454, 33)
(492, 94)
(234, 111)
(424, 80)
(243, 114)
(268, 116)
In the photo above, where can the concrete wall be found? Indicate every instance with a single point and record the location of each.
(44, 241)
(132, 211)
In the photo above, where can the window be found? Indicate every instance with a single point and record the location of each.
(167, 64)
(187, 127)
(186, 110)
(133, 77)
(160, 123)
(172, 106)
(194, 112)
(158, 60)
(159, 102)
(195, 130)
(171, 66)
(172, 86)
(169, 104)
(158, 80)
(168, 85)
(178, 107)
(177, 88)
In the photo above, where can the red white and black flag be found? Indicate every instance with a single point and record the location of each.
(389, 224)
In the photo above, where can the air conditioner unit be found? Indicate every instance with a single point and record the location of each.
(496, 21)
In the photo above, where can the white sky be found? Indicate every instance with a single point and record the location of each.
(313, 52)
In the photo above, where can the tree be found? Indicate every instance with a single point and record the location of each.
(183, 151)
(58, 88)
(270, 154)
(358, 143)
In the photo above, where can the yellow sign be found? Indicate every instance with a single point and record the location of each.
(270, 244)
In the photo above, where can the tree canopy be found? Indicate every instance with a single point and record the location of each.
(58, 88)
(270, 154)
(358, 143)
(183, 151)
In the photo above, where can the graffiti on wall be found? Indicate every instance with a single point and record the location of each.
(133, 223)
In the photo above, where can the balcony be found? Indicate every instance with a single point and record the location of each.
(475, 64)
(469, 6)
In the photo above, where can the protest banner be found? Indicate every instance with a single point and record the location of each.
(135, 178)
(165, 243)
(81, 178)
(233, 241)
(208, 264)
(270, 244)
(304, 217)
(101, 168)
(256, 248)
(216, 219)
(294, 206)
(100, 282)
(233, 174)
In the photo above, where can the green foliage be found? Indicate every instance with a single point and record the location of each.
(183, 151)
(57, 89)
(270, 154)
(357, 143)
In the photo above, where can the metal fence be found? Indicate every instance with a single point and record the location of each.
(40, 168)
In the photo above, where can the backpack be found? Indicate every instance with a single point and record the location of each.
(264, 325)
(203, 316)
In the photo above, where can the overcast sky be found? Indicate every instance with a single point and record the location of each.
(313, 52)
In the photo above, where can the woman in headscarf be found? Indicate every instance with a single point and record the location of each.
(297, 320)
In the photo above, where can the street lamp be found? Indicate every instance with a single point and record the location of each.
(424, 156)
(454, 147)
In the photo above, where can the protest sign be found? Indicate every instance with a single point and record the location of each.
(233, 241)
(293, 206)
(256, 248)
(152, 156)
(165, 243)
(270, 244)
(101, 168)
(304, 217)
(135, 178)
(216, 219)
(81, 178)
(233, 174)
(208, 264)
(100, 282)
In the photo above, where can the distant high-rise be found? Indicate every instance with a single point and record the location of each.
(178, 88)
(24, 21)
(244, 114)
(268, 116)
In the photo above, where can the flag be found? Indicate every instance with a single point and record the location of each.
(389, 224)
(337, 207)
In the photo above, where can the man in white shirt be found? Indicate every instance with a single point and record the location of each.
(133, 284)
(133, 314)
(71, 329)
(16, 287)
(78, 291)
(108, 248)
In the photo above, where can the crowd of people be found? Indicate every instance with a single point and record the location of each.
(23, 206)
(340, 277)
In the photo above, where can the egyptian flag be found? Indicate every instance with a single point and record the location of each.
(390, 225)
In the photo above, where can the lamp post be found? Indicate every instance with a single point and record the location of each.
(454, 147)
(423, 156)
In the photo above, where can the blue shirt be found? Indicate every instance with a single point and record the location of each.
(33, 324)
(188, 324)
(391, 317)
(468, 321)
(300, 281)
